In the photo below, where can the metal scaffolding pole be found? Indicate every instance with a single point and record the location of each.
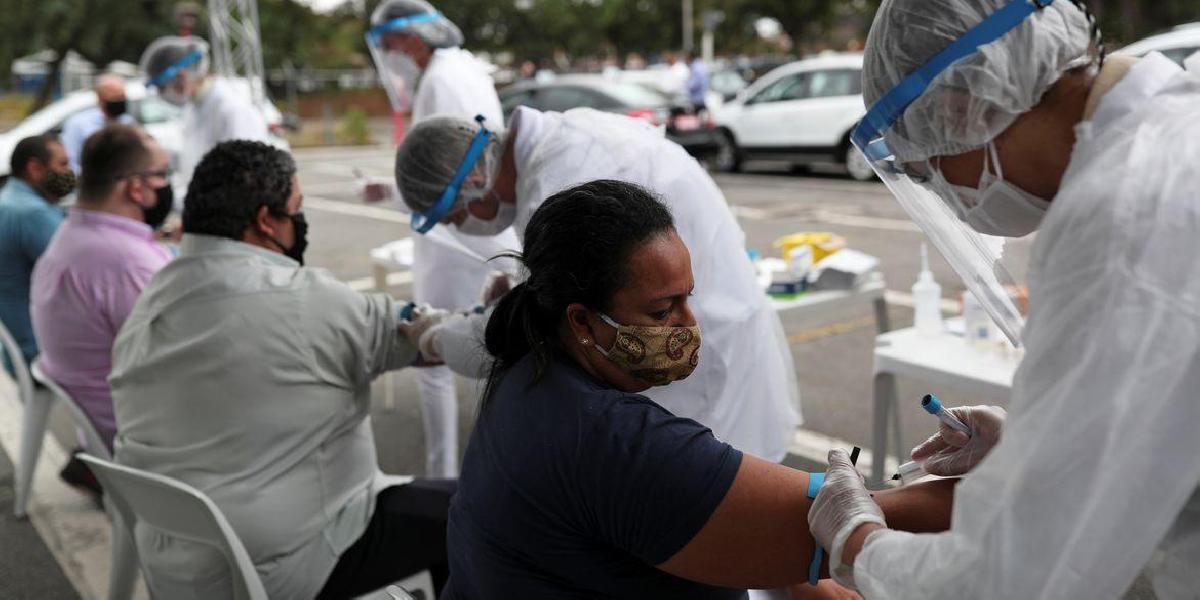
(236, 46)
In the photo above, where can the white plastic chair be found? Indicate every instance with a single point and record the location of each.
(179, 510)
(33, 423)
(123, 571)
(186, 513)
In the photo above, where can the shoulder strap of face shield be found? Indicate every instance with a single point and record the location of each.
(423, 222)
(374, 33)
(170, 72)
(888, 109)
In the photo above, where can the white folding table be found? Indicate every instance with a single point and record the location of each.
(871, 290)
(943, 360)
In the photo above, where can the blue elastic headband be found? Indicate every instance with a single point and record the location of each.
(423, 222)
(893, 104)
(377, 31)
(170, 72)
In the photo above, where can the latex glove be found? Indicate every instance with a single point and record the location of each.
(373, 190)
(842, 505)
(950, 452)
(497, 285)
(424, 319)
(430, 340)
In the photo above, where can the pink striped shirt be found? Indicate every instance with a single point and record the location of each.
(84, 286)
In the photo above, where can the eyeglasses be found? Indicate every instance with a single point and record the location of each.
(165, 174)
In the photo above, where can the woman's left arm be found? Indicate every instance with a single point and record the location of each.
(758, 535)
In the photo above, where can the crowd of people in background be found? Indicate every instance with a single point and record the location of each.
(609, 459)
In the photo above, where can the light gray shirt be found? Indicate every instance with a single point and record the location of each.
(248, 376)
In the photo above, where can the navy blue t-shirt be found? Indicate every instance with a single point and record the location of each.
(572, 490)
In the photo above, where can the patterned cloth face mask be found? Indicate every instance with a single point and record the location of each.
(655, 355)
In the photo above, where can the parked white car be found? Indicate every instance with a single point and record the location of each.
(162, 120)
(1176, 44)
(802, 112)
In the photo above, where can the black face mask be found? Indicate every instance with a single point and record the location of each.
(300, 229)
(59, 184)
(164, 200)
(114, 108)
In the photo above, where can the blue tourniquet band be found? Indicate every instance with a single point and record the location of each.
(815, 481)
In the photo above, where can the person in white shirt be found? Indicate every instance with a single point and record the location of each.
(678, 74)
(415, 45)
(111, 108)
(247, 375)
(214, 110)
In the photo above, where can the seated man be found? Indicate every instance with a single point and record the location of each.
(247, 375)
(86, 282)
(29, 216)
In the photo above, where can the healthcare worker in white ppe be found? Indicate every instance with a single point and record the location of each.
(462, 174)
(1004, 117)
(415, 47)
(215, 110)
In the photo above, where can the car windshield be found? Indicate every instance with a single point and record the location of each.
(635, 95)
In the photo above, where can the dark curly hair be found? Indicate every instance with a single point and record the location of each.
(233, 180)
(576, 248)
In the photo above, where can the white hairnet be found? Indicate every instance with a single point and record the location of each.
(431, 154)
(441, 33)
(977, 98)
(168, 51)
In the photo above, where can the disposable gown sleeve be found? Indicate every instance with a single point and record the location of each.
(461, 344)
(1096, 463)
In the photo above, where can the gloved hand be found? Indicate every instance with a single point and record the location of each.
(424, 319)
(497, 285)
(373, 189)
(950, 452)
(841, 506)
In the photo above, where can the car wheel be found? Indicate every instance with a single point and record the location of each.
(857, 166)
(727, 158)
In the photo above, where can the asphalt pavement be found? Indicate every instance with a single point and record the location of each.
(833, 357)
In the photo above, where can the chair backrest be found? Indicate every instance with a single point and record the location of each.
(13, 350)
(179, 510)
(95, 444)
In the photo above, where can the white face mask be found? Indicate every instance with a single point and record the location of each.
(997, 207)
(404, 68)
(172, 96)
(506, 213)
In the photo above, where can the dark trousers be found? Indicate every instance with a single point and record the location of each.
(406, 535)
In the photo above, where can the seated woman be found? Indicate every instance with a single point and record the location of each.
(574, 485)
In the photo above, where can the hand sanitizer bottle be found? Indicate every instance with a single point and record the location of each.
(927, 298)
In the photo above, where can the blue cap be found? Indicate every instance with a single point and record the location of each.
(931, 404)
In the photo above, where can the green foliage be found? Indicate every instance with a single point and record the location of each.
(355, 129)
(530, 29)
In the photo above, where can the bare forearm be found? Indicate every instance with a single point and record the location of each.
(758, 537)
(920, 508)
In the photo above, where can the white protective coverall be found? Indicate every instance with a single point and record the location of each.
(1097, 471)
(744, 388)
(454, 83)
(221, 111)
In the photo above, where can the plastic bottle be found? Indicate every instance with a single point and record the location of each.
(977, 325)
(927, 298)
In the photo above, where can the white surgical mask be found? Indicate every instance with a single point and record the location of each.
(404, 68)
(172, 96)
(996, 207)
(506, 213)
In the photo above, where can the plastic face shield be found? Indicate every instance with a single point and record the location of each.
(189, 60)
(975, 257)
(422, 222)
(397, 72)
